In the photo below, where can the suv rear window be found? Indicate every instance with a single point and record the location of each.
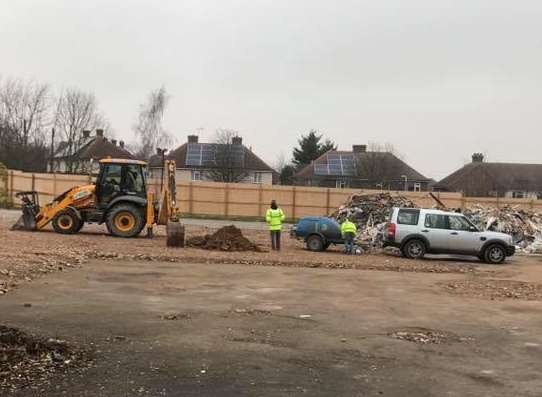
(408, 217)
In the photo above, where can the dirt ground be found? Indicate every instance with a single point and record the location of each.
(189, 322)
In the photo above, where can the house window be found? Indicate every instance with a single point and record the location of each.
(417, 187)
(340, 184)
(196, 175)
(258, 177)
(518, 194)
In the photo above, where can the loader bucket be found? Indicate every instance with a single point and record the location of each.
(27, 221)
(30, 207)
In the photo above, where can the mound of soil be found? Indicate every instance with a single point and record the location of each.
(29, 360)
(228, 238)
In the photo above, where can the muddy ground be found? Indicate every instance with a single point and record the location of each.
(161, 322)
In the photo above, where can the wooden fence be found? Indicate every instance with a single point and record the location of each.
(235, 200)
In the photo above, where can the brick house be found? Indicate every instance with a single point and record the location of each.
(483, 179)
(88, 150)
(198, 161)
(360, 168)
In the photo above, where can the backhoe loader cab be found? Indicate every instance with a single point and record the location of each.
(119, 199)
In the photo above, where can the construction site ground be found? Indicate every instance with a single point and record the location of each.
(155, 321)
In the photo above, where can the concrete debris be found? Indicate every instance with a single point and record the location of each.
(524, 226)
(370, 212)
(425, 336)
(26, 358)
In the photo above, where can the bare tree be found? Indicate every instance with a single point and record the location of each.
(229, 155)
(25, 108)
(376, 165)
(76, 111)
(149, 129)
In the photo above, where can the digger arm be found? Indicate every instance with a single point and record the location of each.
(168, 203)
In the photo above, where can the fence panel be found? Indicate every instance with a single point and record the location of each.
(252, 200)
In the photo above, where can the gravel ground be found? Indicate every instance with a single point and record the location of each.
(27, 255)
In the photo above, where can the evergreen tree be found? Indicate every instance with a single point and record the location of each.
(310, 148)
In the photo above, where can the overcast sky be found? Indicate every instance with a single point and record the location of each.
(440, 79)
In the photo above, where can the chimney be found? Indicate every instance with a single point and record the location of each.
(100, 132)
(114, 142)
(158, 151)
(237, 140)
(193, 138)
(359, 148)
(121, 144)
(86, 134)
(478, 158)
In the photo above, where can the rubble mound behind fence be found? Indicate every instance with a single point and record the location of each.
(370, 212)
(228, 238)
(524, 226)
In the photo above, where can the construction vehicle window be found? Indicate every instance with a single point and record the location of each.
(113, 175)
(133, 179)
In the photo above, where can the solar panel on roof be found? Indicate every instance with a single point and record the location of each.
(193, 154)
(337, 165)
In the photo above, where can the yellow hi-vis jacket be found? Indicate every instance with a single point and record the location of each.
(275, 218)
(348, 227)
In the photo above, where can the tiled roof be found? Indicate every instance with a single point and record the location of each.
(251, 160)
(394, 166)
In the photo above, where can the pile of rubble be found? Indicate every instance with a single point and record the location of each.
(370, 212)
(228, 238)
(30, 360)
(524, 226)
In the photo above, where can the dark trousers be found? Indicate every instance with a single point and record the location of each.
(349, 242)
(275, 240)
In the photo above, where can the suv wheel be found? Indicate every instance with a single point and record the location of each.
(495, 254)
(414, 249)
(315, 243)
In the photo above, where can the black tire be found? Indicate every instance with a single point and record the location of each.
(315, 243)
(495, 254)
(125, 220)
(414, 249)
(67, 222)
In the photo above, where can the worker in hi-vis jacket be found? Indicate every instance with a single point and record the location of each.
(274, 217)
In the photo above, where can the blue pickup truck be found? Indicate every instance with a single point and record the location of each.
(318, 232)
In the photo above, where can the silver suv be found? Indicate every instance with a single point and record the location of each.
(419, 231)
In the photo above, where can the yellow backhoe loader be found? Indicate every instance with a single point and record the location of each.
(119, 198)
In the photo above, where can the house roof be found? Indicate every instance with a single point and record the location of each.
(393, 170)
(250, 160)
(507, 176)
(95, 148)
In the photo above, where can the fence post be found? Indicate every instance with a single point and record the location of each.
(463, 201)
(54, 185)
(226, 199)
(11, 193)
(328, 198)
(260, 200)
(190, 197)
(33, 182)
(293, 203)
